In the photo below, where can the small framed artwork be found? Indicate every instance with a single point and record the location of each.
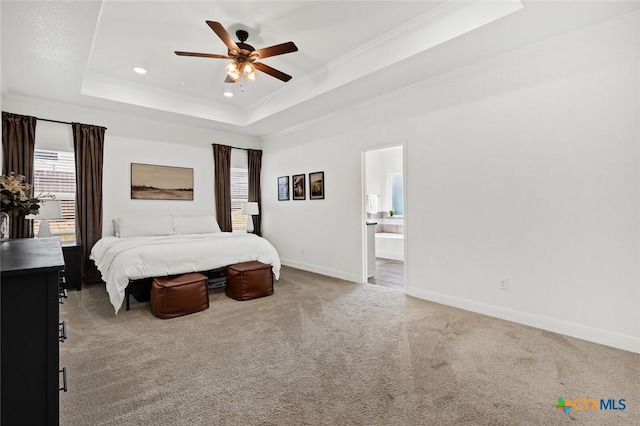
(298, 183)
(283, 188)
(316, 186)
(152, 182)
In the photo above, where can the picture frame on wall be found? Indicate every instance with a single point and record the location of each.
(316, 186)
(283, 188)
(298, 184)
(154, 182)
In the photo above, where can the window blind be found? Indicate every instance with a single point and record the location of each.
(55, 175)
(239, 195)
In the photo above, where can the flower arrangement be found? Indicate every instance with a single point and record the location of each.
(16, 197)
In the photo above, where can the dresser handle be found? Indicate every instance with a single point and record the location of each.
(62, 328)
(62, 294)
(64, 379)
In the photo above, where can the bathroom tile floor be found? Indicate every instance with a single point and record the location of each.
(389, 273)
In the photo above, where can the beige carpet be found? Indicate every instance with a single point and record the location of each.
(322, 351)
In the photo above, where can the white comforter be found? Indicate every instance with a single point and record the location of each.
(122, 259)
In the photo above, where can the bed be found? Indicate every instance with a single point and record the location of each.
(131, 256)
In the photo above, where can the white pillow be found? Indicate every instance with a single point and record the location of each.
(143, 226)
(195, 225)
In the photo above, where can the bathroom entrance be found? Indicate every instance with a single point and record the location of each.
(384, 210)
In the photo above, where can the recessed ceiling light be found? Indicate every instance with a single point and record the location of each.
(140, 70)
(228, 94)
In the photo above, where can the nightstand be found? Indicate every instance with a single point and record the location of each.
(72, 252)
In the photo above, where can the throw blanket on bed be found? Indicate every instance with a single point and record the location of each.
(122, 259)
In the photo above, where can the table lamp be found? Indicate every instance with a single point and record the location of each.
(250, 209)
(49, 209)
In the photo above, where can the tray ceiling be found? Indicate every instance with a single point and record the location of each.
(349, 52)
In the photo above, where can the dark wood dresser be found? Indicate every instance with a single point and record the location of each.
(30, 331)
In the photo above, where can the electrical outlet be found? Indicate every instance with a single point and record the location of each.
(504, 284)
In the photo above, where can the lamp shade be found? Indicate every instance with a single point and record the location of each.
(49, 209)
(250, 208)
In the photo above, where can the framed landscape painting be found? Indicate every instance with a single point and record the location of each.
(299, 187)
(283, 188)
(316, 186)
(151, 182)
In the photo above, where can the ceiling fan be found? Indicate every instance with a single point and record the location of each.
(245, 56)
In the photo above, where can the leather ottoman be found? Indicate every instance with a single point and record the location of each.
(249, 280)
(179, 295)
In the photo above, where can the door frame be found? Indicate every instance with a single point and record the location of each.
(363, 207)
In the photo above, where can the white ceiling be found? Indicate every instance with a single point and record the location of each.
(349, 52)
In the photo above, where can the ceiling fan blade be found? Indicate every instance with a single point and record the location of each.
(278, 49)
(224, 35)
(202, 55)
(272, 71)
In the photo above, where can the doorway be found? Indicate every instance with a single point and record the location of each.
(384, 196)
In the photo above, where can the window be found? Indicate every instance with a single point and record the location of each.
(55, 174)
(239, 195)
(395, 193)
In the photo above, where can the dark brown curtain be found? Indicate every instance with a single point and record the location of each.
(222, 185)
(18, 146)
(88, 142)
(255, 166)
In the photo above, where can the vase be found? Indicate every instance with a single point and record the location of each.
(4, 226)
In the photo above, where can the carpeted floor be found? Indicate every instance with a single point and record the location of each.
(322, 351)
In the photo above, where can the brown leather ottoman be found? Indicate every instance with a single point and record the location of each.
(249, 280)
(179, 295)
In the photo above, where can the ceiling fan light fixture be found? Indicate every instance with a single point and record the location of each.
(233, 71)
(249, 71)
(233, 68)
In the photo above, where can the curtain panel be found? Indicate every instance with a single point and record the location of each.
(18, 148)
(222, 186)
(255, 167)
(88, 142)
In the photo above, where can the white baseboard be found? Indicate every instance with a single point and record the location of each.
(320, 270)
(616, 340)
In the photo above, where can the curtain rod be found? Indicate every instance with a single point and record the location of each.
(233, 147)
(52, 121)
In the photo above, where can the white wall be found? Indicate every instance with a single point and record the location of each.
(523, 167)
(373, 177)
(317, 235)
(133, 139)
(117, 200)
